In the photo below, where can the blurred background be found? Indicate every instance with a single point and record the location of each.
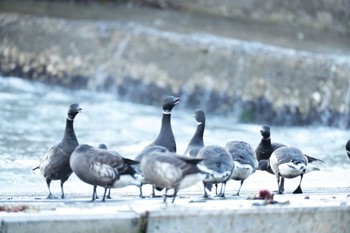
(282, 62)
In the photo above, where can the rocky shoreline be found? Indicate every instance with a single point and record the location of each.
(252, 81)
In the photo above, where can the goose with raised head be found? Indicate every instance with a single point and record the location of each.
(55, 163)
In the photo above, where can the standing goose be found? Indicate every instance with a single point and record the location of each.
(244, 160)
(266, 148)
(166, 137)
(100, 167)
(289, 162)
(147, 150)
(197, 142)
(171, 171)
(55, 163)
(347, 147)
(220, 162)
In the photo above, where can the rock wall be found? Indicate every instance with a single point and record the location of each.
(319, 15)
(251, 81)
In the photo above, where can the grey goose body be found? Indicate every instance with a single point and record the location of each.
(244, 160)
(220, 162)
(55, 163)
(171, 171)
(100, 167)
(288, 162)
(147, 150)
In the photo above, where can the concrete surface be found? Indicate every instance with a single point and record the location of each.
(295, 213)
(323, 207)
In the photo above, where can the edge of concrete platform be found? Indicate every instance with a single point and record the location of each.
(119, 222)
(215, 217)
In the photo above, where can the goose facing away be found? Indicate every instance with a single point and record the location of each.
(244, 160)
(100, 167)
(171, 171)
(220, 162)
(55, 163)
(196, 143)
(289, 162)
(147, 150)
(166, 136)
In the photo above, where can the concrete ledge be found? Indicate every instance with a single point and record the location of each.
(322, 213)
(66, 223)
(315, 219)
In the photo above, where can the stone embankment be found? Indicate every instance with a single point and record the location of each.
(250, 71)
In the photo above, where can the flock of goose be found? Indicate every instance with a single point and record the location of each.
(160, 166)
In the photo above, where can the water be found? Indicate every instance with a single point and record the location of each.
(32, 119)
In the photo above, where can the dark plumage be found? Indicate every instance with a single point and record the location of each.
(148, 150)
(265, 149)
(220, 162)
(347, 148)
(244, 160)
(289, 162)
(166, 137)
(196, 143)
(171, 171)
(55, 163)
(100, 167)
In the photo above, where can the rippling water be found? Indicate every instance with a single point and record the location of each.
(32, 119)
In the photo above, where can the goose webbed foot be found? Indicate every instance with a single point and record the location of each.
(298, 190)
(51, 196)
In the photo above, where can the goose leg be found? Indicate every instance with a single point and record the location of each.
(165, 195)
(141, 195)
(175, 194)
(298, 189)
(50, 196)
(222, 190)
(280, 183)
(109, 194)
(237, 194)
(104, 194)
(62, 182)
(94, 194)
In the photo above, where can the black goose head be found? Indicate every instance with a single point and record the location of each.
(169, 103)
(265, 131)
(73, 110)
(200, 116)
(347, 147)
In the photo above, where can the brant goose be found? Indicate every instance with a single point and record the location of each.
(196, 143)
(289, 162)
(244, 160)
(166, 137)
(171, 171)
(55, 163)
(137, 167)
(100, 167)
(265, 149)
(220, 162)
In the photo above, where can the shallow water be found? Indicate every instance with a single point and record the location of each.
(32, 119)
